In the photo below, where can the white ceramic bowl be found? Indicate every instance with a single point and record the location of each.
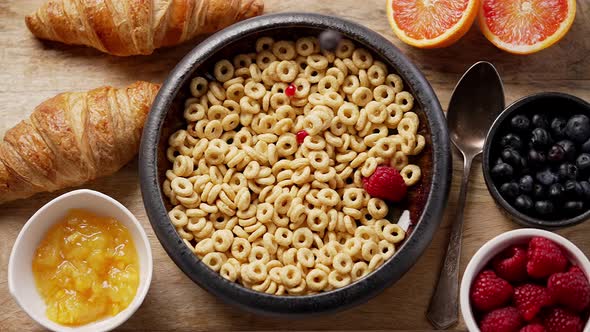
(21, 282)
(501, 242)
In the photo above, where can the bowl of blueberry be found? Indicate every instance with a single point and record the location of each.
(536, 160)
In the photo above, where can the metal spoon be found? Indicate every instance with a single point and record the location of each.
(477, 100)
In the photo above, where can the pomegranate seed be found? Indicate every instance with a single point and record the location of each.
(290, 90)
(301, 135)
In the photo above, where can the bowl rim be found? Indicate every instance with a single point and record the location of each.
(504, 241)
(109, 322)
(517, 216)
(338, 299)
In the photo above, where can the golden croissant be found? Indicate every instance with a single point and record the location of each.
(73, 138)
(129, 27)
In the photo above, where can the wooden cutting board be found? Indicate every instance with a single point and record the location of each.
(31, 71)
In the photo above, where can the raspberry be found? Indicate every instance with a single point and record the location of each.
(530, 299)
(386, 183)
(570, 289)
(510, 264)
(545, 258)
(301, 135)
(290, 90)
(533, 328)
(489, 292)
(501, 320)
(561, 320)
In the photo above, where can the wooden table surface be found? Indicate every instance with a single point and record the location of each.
(31, 71)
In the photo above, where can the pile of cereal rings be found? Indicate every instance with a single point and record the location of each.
(275, 214)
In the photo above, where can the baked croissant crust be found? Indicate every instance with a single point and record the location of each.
(73, 138)
(129, 27)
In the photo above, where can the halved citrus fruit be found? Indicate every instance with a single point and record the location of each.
(431, 23)
(526, 26)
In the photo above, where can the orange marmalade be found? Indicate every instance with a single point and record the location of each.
(86, 268)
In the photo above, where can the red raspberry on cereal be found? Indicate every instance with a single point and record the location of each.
(301, 135)
(290, 90)
(386, 183)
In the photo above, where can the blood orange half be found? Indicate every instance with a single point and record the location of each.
(431, 23)
(526, 26)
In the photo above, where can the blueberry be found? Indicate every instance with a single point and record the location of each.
(536, 158)
(523, 203)
(540, 138)
(526, 184)
(567, 171)
(573, 189)
(539, 191)
(511, 140)
(578, 128)
(556, 154)
(502, 171)
(544, 207)
(329, 40)
(540, 121)
(520, 123)
(556, 192)
(574, 207)
(546, 177)
(586, 146)
(583, 162)
(570, 149)
(586, 187)
(509, 190)
(512, 157)
(558, 126)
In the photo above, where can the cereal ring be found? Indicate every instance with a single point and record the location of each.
(264, 44)
(302, 238)
(284, 50)
(223, 71)
(305, 46)
(290, 276)
(342, 263)
(345, 49)
(316, 280)
(338, 280)
(362, 96)
(199, 86)
(240, 248)
(411, 174)
(393, 233)
(214, 260)
(359, 270)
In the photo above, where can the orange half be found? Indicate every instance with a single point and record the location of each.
(431, 23)
(526, 26)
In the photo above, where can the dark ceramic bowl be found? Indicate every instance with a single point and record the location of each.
(426, 203)
(544, 103)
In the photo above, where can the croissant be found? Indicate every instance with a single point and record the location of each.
(73, 138)
(130, 27)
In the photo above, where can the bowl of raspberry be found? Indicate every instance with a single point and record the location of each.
(536, 160)
(527, 280)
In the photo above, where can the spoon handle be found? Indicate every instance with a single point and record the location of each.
(443, 310)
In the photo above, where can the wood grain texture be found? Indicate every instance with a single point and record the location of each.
(32, 71)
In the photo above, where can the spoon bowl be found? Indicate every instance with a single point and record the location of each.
(469, 117)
